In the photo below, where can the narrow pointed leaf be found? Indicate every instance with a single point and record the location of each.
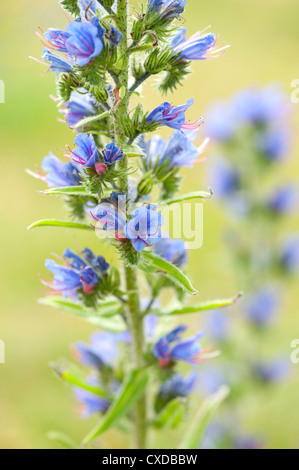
(195, 433)
(90, 119)
(59, 223)
(68, 191)
(150, 262)
(130, 392)
(171, 416)
(189, 196)
(106, 316)
(208, 305)
(62, 439)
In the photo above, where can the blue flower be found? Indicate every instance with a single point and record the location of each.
(97, 262)
(60, 174)
(283, 200)
(179, 150)
(217, 325)
(66, 281)
(174, 251)
(144, 227)
(289, 257)
(172, 116)
(91, 403)
(224, 178)
(80, 105)
(171, 348)
(212, 378)
(102, 350)
(261, 306)
(112, 153)
(57, 39)
(274, 143)
(170, 9)
(220, 121)
(115, 36)
(86, 152)
(108, 217)
(258, 106)
(80, 272)
(272, 371)
(179, 386)
(85, 41)
(198, 47)
(57, 63)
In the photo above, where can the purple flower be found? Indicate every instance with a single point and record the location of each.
(217, 325)
(169, 9)
(199, 47)
(274, 143)
(224, 178)
(171, 348)
(112, 153)
(108, 217)
(60, 174)
(289, 257)
(80, 105)
(261, 306)
(220, 121)
(86, 152)
(257, 106)
(56, 39)
(79, 272)
(179, 150)
(174, 251)
(115, 36)
(172, 116)
(272, 371)
(283, 200)
(85, 40)
(102, 350)
(144, 227)
(91, 403)
(57, 63)
(179, 386)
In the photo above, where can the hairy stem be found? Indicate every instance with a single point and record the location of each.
(133, 312)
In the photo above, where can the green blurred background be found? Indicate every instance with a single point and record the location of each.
(264, 38)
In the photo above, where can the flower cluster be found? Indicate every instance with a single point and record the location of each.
(93, 57)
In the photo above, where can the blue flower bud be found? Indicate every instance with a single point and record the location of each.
(112, 153)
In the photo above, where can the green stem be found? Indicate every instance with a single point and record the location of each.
(134, 317)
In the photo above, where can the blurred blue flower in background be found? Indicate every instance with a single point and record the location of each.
(261, 306)
(283, 200)
(274, 370)
(174, 251)
(217, 325)
(179, 386)
(290, 253)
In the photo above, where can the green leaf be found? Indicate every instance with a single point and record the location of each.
(62, 439)
(133, 151)
(186, 197)
(68, 191)
(130, 392)
(149, 262)
(171, 416)
(59, 223)
(75, 377)
(208, 305)
(106, 316)
(90, 119)
(200, 422)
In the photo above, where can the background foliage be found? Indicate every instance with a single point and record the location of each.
(32, 400)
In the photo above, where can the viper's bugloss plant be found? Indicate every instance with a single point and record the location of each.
(252, 137)
(129, 373)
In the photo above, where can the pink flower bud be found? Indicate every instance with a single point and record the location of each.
(101, 168)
